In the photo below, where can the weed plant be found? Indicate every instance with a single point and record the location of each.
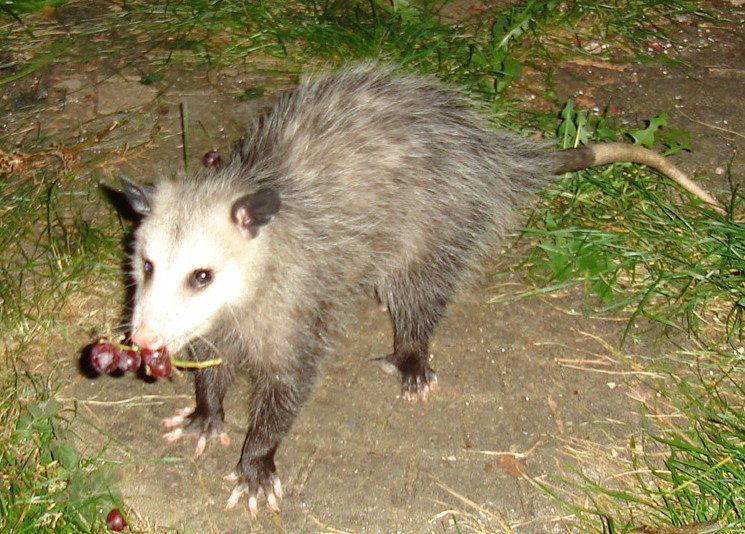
(485, 52)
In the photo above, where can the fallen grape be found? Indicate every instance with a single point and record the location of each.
(115, 520)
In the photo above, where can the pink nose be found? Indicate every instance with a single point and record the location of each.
(145, 338)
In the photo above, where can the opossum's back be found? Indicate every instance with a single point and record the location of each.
(397, 130)
(374, 147)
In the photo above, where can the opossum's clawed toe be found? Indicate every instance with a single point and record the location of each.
(179, 419)
(256, 482)
(418, 387)
(418, 380)
(189, 421)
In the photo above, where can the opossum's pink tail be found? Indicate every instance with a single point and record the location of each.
(575, 159)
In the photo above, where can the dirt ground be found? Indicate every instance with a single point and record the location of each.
(519, 381)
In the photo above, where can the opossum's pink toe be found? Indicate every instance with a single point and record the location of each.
(235, 496)
(201, 445)
(253, 507)
(178, 419)
(270, 488)
(431, 385)
(272, 502)
(278, 489)
(174, 435)
(173, 422)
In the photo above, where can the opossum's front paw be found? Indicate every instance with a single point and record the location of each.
(418, 380)
(188, 421)
(259, 478)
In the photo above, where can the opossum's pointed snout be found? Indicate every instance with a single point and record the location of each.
(145, 338)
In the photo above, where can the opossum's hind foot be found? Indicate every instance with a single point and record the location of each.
(186, 421)
(257, 483)
(418, 380)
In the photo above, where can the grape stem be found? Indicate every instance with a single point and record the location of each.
(189, 364)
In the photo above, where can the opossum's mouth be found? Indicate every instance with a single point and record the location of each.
(175, 346)
(146, 338)
(185, 346)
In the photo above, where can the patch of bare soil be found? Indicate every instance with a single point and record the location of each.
(519, 381)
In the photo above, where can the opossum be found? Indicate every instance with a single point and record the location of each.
(357, 180)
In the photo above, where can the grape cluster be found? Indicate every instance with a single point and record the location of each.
(108, 356)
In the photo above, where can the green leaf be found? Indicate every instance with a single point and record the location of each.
(676, 140)
(646, 137)
(45, 409)
(64, 453)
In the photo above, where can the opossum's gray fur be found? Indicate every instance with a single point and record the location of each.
(390, 171)
(389, 184)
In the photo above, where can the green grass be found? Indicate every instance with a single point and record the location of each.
(49, 247)
(683, 468)
(45, 485)
(614, 231)
(485, 53)
(15, 8)
(50, 252)
(638, 251)
(636, 248)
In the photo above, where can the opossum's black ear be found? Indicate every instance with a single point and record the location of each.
(255, 210)
(138, 195)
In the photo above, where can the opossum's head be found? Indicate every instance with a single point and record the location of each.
(197, 255)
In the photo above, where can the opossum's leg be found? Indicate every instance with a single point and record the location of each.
(274, 406)
(416, 303)
(205, 420)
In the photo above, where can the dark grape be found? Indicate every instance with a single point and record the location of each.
(157, 363)
(115, 520)
(148, 356)
(105, 356)
(130, 361)
(211, 159)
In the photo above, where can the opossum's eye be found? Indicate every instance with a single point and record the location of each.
(201, 278)
(148, 268)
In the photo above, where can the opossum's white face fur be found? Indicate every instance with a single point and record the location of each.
(193, 260)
